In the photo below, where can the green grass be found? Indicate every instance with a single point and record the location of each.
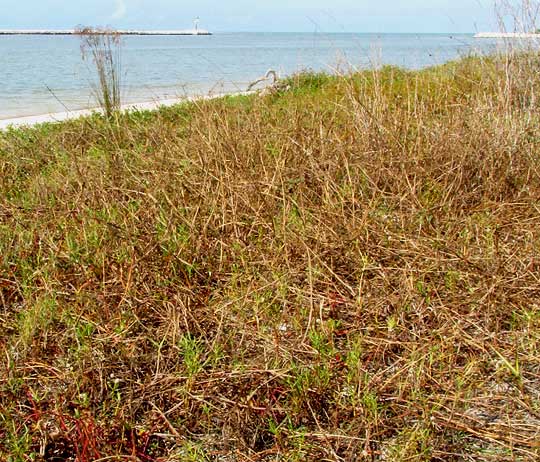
(345, 269)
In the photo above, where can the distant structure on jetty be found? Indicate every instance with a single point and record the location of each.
(121, 32)
(195, 31)
(514, 35)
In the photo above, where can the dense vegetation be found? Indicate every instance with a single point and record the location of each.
(345, 270)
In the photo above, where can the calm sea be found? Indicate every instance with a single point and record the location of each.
(41, 74)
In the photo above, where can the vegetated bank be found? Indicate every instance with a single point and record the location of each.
(347, 270)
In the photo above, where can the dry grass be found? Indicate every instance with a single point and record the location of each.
(103, 48)
(348, 270)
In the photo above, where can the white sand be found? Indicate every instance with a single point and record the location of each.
(60, 116)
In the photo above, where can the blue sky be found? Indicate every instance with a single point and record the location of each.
(242, 15)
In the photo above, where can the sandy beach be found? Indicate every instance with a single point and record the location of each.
(70, 115)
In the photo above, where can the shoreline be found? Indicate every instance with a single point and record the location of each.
(54, 117)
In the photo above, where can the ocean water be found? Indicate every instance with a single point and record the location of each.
(41, 74)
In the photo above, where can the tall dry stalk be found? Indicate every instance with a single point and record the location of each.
(518, 56)
(523, 15)
(103, 47)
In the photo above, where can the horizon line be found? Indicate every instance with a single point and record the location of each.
(224, 31)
